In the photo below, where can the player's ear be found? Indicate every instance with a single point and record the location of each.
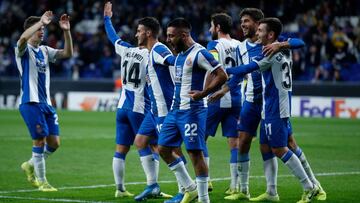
(217, 28)
(271, 35)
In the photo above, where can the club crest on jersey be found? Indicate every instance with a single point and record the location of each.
(178, 74)
(41, 66)
(189, 62)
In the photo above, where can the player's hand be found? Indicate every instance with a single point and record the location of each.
(196, 95)
(108, 9)
(216, 96)
(46, 17)
(64, 22)
(271, 49)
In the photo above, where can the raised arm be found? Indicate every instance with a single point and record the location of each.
(292, 43)
(26, 35)
(68, 50)
(109, 28)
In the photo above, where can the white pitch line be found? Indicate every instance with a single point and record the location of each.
(172, 181)
(49, 199)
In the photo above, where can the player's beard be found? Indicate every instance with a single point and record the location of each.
(250, 34)
(179, 46)
(214, 36)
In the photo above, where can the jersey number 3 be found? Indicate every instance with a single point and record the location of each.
(286, 75)
(134, 74)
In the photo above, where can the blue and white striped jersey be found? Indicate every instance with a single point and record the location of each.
(190, 70)
(226, 50)
(134, 94)
(277, 84)
(246, 52)
(161, 77)
(33, 65)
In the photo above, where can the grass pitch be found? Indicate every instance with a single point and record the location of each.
(81, 168)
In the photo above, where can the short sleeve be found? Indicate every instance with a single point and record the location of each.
(207, 61)
(263, 62)
(51, 53)
(18, 53)
(121, 46)
(211, 45)
(160, 54)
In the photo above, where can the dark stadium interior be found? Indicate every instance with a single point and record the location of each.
(330, 29)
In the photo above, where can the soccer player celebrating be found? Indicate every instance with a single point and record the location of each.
(35, 107)
(226, 110)
(187, 119)
(277, 87)
(160, 77)
(250, 115)
(134, 100)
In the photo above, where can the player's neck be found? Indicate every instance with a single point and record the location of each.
(253, 39)
(189, 43)
(34, 43)
(150, 43)
(223, 35)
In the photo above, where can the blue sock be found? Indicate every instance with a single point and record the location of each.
(183, 159)
(234, 155)
(120, 155)
(38, 150)
(298, 151)
(287, 156)
(267, 156)
(244, 157)
(145, 151)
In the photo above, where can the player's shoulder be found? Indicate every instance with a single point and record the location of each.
(161, 49)
(212, 45)
(281, 55)
(235, 42)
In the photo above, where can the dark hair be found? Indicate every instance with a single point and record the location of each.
(272, 24)
(180, 23)
(30, 21)
(224, 20)
(255, 13)
(152, 24)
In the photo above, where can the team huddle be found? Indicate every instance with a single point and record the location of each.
(180, 95)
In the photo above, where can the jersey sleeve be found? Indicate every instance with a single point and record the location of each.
(121, 46)
(18, 53)
(51, 53)
(211, 47)
(263, 62)
(207, 61)
(160, 54)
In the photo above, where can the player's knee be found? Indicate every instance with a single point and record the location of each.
(279, 152)
(140, 142)
(292, 143)
(39, 142)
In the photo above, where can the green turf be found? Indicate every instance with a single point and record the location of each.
(87, 147)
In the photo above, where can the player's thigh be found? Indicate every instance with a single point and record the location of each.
(124, 132)
(230, 121)
(34, 120)
(277, 132)
(147, 131)
(213, 120)
(169, 134)
(52, 120)
(250, 117)
(135, 120)
(192, 124)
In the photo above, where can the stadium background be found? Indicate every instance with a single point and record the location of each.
(326, 77)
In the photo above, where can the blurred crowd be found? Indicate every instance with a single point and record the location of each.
(330, 29)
